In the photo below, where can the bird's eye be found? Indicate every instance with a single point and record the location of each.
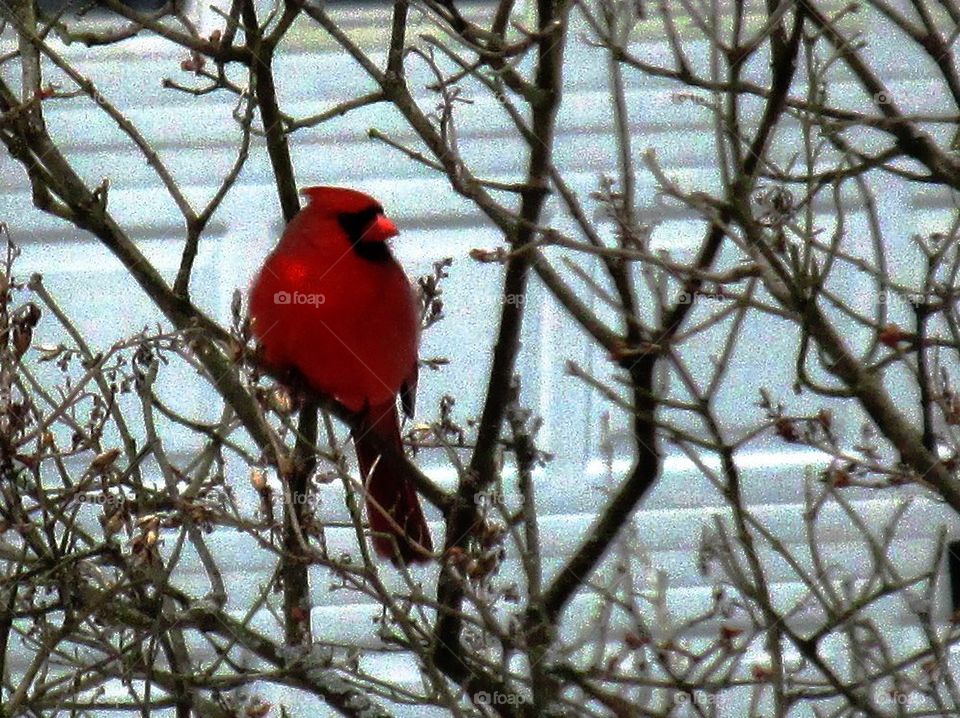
(356, 224)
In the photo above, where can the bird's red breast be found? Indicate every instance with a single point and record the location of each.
(332, 302)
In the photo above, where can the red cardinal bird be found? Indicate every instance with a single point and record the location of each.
(332, 305)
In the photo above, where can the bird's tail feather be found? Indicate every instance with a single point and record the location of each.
(396, 518)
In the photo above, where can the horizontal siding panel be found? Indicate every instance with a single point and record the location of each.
(171, 122)
(198, 139)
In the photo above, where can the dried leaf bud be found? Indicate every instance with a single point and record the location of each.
(113, 523)
(30, 315)
(488, 255)
(149, 521)
(235, 350)
(825, 417)
(285, 466)
(787, 429)
(891, 335)
(455, 555)
(258, 479)
(236, 304)
(194, 63)
(22, 336)
(104, 460)
(258, 709)
(762, 668)
(728, 633)
(491, 534)
(281, 401)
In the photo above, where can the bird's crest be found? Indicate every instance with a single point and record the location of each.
(340, 200)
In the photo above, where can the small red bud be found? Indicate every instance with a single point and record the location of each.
(891, 335)
(728, 633)
(787, 429)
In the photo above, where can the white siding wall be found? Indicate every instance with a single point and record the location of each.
(196, 137)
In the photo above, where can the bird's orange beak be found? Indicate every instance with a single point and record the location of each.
(381, 230)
